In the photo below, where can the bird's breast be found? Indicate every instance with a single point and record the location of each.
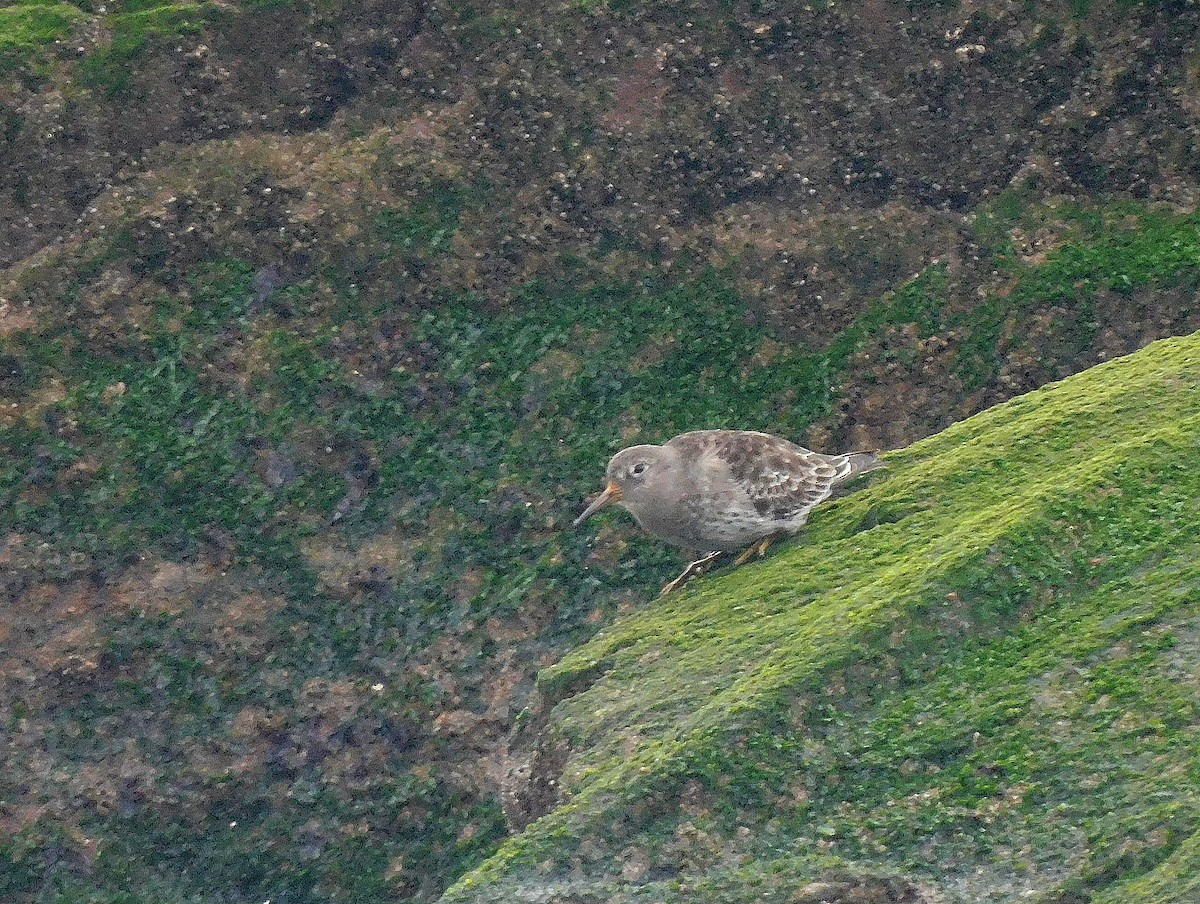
(700, 522)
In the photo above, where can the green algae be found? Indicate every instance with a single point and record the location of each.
(938, 685)
(522, 405)
(28, 29)
(137, 27)
(1115, 248)
(1176, 878)
(175, 463)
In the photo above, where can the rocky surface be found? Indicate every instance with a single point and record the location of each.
(951, 689)
(318, 320)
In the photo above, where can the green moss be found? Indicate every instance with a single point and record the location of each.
(27, 29)
(937, 686)
(493, 424)
(425, 229)
(921, 301)
(157, 452)
(1119, 248)
(140, 26)
(1175, 878)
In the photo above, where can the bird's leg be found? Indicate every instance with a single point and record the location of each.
(760, 548)
(695, 568)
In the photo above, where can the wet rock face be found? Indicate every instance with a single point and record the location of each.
(280, 70)
(533, 761)
(847, 888)
(700, 135)
(281, 172)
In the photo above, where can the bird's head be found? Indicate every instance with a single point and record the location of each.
(627, 475)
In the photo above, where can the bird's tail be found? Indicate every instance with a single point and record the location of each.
(861, 462)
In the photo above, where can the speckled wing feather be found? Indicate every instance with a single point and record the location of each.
(782, 481)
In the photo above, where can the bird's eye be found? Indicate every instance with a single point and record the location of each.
(639, 467)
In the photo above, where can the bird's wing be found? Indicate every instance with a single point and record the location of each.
(780, 479)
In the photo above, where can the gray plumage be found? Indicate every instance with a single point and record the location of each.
(722, 490)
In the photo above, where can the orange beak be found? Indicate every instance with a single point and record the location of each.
(612, 493)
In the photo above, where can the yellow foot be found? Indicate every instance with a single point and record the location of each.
(760, 547)
(695, 568)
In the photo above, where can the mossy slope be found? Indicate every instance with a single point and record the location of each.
(390, 478)
(26, 29)
(976, 673)
(294, 420)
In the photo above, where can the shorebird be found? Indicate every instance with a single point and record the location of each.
(716, 491)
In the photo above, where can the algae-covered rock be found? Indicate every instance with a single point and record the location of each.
(317, 320)
(989, 697)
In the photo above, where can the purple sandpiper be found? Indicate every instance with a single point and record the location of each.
(715, 491)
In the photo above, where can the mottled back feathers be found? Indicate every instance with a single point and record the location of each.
(781, 480)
